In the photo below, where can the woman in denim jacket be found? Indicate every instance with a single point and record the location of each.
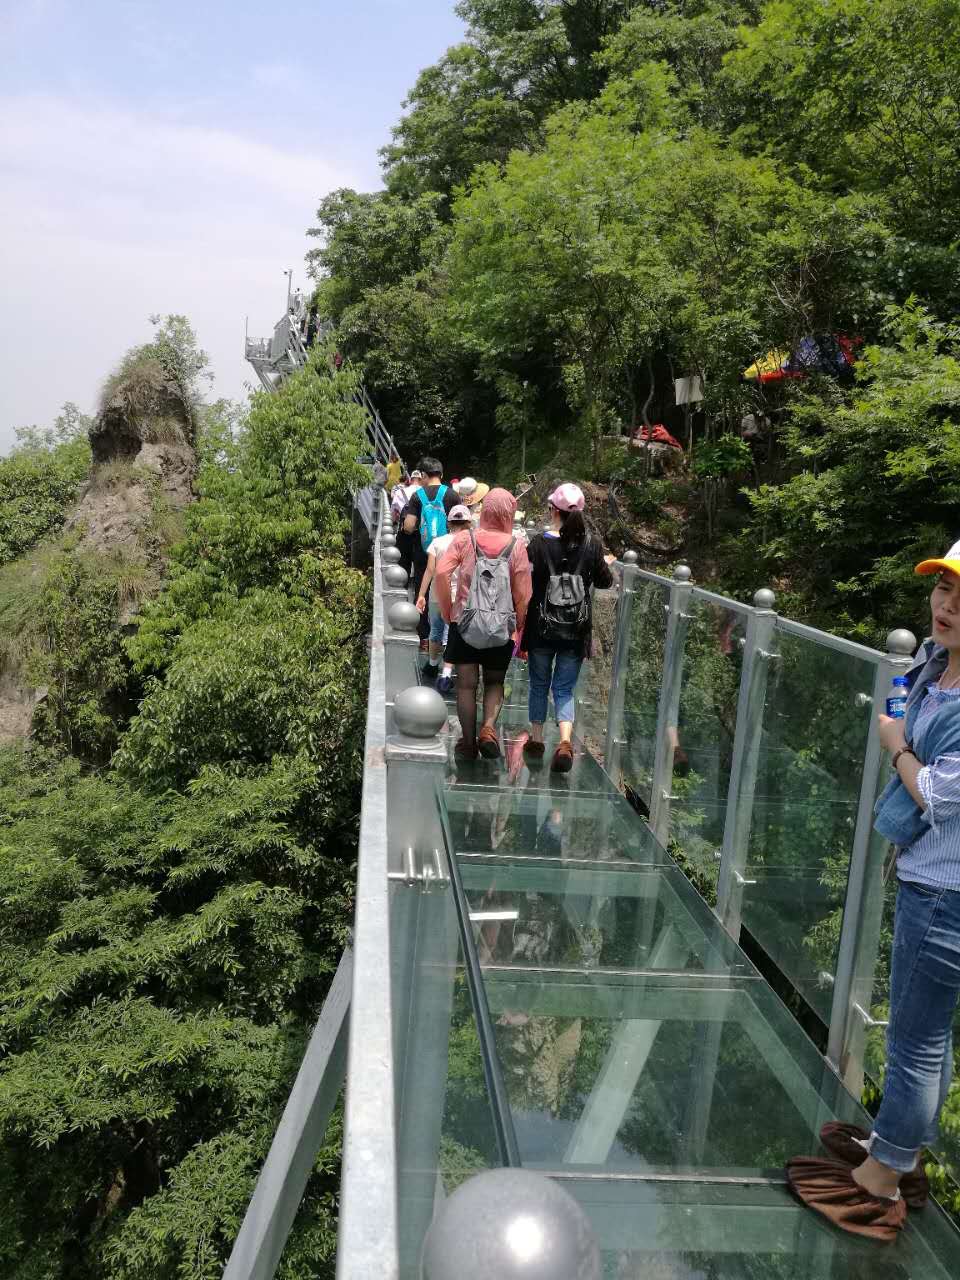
(875, 1177)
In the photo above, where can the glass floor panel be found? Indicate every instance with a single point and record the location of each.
(658, 1071)
(513, 770)
(637, 1053)
(557, 824)
(684, 1231)
(532, 914)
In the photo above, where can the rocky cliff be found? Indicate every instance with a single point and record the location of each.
(128, 514)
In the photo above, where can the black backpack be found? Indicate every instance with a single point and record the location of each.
(565, 608)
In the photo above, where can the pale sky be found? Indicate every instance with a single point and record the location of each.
(166, 156)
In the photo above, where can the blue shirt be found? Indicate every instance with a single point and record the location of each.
(933, 859)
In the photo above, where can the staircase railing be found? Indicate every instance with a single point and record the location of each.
(276, 358)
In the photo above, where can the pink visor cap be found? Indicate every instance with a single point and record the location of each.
(567, 497)
(459, 512)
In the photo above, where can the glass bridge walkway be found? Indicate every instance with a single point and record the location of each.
(536, 981)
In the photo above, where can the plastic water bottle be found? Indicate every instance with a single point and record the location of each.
(897, 698)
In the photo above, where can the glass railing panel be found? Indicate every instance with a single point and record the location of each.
(642, 679)
(658, 1071)
(749, 1231)
(445, 1129)
(816, 718)
(528, 913)
(596, 675)
(539, 820)
(706, 723)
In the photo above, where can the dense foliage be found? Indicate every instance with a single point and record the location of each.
(39, 479)
(584, 201)
(170, 921)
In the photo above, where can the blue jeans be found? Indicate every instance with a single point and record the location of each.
(438, 628)
(564, 668)
(924, 989)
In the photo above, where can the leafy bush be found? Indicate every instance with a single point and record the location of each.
(719, 459)
(40, 479)
(170, 924)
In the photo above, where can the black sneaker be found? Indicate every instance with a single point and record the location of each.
(429, 671)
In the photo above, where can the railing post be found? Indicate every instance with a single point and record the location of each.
(668, 707)
(757, 656)
(850, 1016)
(400, 646)
(615, 741)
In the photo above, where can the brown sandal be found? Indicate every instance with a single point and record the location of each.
(827, 1187)
(839, 1139)
(489, 743)
(562, 759)
(533, 751)
(462, 752)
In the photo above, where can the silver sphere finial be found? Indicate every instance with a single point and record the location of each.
(419, 712)
(631, 557)
(403, 616)
(395, 576)
(512, 1224)
(764, 598)
(682, 573)
(388, 540)
(390, 555)
(902, 643)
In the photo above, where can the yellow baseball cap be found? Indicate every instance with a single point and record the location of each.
(950, 561)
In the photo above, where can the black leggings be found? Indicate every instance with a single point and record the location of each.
(468, 680)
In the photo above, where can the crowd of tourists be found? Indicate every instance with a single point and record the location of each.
(489, 593)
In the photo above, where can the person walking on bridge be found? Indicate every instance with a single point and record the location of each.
(491, 539)
(425, 519)
(567, 563)
(394, 471)
(874, 1177)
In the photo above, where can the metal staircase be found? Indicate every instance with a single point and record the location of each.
(276, 358)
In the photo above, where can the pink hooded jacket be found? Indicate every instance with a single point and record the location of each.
(495, 531)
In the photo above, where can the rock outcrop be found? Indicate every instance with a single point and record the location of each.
(143, 461)
(140, 479)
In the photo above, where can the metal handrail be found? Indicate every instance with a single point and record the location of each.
(804, 632)
(292, 348)
(293, 1152)
(367, 1242)
(506, 1134)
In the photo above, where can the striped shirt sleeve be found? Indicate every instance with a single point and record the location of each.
(939, 784)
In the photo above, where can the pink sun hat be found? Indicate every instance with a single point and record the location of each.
(567, 497)
(459, 513)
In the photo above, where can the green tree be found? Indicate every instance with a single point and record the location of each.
(875, 483)
(40, 479)
(691, 38)
(628, 237)
(521, 60)
(865, 95)
(170, 924)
